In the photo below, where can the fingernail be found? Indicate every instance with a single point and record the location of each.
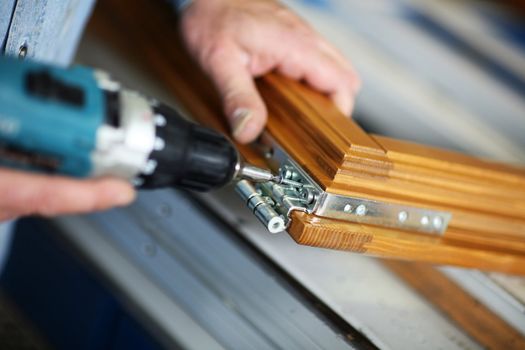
(240, 118)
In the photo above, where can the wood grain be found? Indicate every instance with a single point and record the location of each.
(315, 231)
(477, 320)
(486, 199)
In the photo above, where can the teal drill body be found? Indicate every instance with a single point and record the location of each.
(49, 117)
(79, 122)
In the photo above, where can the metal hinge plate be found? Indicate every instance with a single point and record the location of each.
(384, 214)
(273, 204)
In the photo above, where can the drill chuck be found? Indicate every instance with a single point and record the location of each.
(193, 157)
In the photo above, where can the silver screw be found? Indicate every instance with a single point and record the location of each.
(288, 173)
(268, 153)
(22, 51)
(361, 210)
(308, 195)
(437, 222)
(348, 208)
(425, 220)
(402, 216)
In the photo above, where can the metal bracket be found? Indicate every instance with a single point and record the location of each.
(384, 214)
(272, 204)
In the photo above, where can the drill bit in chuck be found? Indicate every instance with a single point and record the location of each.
(255, 174)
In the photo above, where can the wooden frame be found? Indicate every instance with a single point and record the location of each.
(487, 200)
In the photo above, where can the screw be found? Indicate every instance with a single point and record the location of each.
(402, 216)
(22, 51)
(308, 195)
(287, 173)
(347, 208)
(268, 154)
(305, 193)
(437, 222)
(425, 220)
(361, 210)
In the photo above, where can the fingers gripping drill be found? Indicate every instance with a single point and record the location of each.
(79, 122)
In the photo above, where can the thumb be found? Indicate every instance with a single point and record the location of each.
(242, 103)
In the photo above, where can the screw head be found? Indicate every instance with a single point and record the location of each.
(425, 220)
(347, 208)
(22, 51)
(308, 195)
(268, 154)
(402, 216)
(361, 210)
(286, 173)
(437, 222)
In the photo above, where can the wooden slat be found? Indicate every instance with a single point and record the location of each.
(487, 199)
(335, 234)
(477, 320)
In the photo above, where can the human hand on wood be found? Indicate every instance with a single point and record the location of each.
(236, 41)
(23, 193)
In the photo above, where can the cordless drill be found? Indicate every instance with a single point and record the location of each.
(79, 122)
